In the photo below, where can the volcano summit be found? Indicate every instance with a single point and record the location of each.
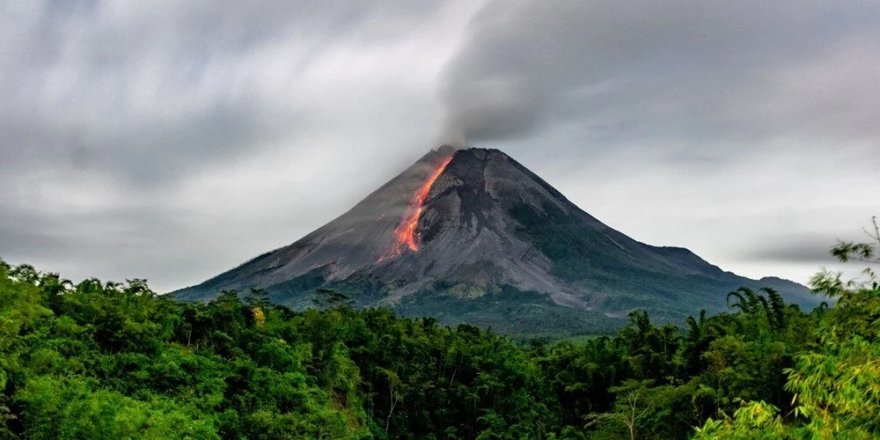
(473, 236)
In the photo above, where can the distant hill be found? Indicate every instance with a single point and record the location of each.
(473, 236)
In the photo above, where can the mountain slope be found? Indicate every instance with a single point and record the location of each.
(473, 236)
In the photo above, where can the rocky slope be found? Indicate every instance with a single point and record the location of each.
(473, 236)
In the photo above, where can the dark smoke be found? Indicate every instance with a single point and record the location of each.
(651, 70)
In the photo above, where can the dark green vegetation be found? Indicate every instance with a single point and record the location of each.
(523, 315)
(105, 360)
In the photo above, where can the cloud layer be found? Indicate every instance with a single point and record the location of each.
(174, 140)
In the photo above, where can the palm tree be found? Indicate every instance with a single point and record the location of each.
(777, 307)
(751, 303)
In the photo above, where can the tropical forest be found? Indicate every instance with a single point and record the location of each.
(108, 360)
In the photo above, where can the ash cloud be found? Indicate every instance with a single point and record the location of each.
(720, 71)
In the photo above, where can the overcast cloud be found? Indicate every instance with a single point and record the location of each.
(174, 140)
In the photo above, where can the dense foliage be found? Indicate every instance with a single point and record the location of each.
(106, 360)
(836, 384)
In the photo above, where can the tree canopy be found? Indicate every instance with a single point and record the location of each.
(114, 360)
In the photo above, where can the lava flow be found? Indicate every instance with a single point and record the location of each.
(405, 233)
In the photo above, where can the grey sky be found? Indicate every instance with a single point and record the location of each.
(174, 140)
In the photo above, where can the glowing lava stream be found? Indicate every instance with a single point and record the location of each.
(405, 233)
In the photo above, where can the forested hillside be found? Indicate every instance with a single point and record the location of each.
(103, 360)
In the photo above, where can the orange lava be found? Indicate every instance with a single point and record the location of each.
(405, 234)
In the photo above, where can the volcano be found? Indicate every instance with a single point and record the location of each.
(472, 236)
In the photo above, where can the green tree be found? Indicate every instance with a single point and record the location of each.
(836, 385)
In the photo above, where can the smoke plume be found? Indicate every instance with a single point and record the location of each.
(662, 70)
